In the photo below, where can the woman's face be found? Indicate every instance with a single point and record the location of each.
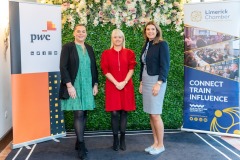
(80, 34)
(117, 40)
(151, 32)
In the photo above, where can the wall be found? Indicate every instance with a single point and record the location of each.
(5, 72)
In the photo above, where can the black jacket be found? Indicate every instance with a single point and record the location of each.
(69, 64)
(157, 60)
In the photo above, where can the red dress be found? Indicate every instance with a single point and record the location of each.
(118, 64)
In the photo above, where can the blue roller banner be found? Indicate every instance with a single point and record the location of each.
(211, 68)
(211, 102)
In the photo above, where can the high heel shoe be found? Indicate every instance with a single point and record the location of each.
(77, 147)
(122, 141)
(115, 142)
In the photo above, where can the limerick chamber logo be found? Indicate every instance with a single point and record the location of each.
(50, 27)
(196, 16)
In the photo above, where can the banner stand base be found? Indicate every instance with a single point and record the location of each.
(14, 146)
(209, 132)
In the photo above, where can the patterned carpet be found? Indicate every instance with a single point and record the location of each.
(179, 146)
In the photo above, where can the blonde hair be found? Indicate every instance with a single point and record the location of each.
(120, 33)
(158, 37)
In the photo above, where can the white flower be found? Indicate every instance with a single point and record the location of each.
(176, 4)
(170, 5)
(129, 23)
(91, 5)
(168, 21)
(134, 16)
(167, 13)
(153, 2)
(113, 21)
(72, 6)
(161, 2)
(95, 22)
(124, 14)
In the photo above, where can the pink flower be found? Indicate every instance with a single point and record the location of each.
(65, 5)
(135, 21)
(128, 2)
(113, 12)
(133, 10)
(100, 14)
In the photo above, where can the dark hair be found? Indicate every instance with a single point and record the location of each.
(158, 37)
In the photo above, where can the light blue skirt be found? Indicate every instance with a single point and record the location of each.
(152, 104)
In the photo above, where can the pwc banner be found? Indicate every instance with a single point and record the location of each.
(211, 68)
(35, 38)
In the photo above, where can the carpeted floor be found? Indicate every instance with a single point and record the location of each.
(179, 146)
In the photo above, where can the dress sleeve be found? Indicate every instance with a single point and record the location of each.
(104, 63)
(132, 60)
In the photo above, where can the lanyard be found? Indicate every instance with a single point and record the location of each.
(145, 53)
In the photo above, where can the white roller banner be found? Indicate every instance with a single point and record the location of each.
(35, 40)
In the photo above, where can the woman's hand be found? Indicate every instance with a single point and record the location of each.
(140, 88)
(72, 92)
(121, 85)
(95, 90)
(156, 89)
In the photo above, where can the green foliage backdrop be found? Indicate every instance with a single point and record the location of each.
(99, 38)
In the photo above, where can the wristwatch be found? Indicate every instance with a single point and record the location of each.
(159, 82)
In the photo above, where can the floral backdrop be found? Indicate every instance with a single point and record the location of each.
(130, 12)
(101, 17)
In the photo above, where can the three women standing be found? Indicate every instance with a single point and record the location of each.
(155, 63)
(79, 83)
(118, 64)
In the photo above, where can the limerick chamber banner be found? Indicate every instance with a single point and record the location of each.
(35, 46)
(211, 68)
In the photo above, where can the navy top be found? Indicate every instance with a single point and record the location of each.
(157, 60)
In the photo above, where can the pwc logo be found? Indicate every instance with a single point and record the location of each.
(40, 37)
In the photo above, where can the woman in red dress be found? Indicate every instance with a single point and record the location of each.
(118, 64)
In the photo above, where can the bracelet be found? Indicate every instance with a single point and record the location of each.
(159, 82)
(95, 84)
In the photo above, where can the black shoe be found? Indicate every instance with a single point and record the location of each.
(115, 143)
(122, 142)
(77, 146)
(81, 151)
